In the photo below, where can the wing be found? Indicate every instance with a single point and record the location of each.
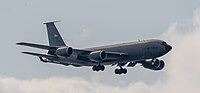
(102, 56)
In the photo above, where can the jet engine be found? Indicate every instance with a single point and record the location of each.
(98, 56)
(64, 51)
(154, 65)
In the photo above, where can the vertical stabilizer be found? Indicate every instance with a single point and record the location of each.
(54, 36)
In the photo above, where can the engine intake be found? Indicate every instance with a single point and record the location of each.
(154, 65)
(98, 56)
(64, 51)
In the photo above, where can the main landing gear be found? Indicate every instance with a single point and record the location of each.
(102, 68)
(120, 71)
(98, 68)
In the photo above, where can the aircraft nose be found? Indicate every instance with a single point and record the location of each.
(168, 47)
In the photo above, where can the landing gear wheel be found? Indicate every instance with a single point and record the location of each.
(116, 71)
(102, 67)
(94, 68)
(98, 68)
(120, 71)
(124, 71)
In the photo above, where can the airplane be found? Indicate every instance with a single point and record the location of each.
(144, 52)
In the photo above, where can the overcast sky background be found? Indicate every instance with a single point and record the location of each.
(87, 23)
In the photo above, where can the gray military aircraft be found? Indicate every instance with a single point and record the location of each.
(144, 52)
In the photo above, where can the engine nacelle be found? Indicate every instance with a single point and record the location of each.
(154, 65)
(64, 51)
(97, 56)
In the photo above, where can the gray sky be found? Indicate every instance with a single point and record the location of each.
(85, 23)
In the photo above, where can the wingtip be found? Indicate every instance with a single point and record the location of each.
(24, 52)
(27, 53)
(20, 43)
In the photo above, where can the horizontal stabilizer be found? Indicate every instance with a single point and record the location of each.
(52, 48)
(40, 55)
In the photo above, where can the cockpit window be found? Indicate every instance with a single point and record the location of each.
(164, 43)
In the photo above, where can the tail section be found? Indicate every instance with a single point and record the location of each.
(54, 36)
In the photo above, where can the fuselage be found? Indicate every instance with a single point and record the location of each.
(137, 50)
